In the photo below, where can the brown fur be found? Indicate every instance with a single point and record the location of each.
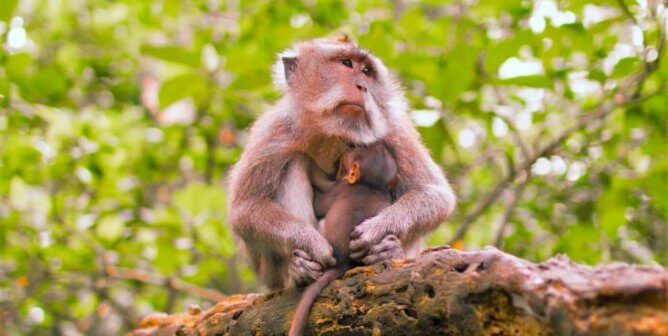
(358, 195)
(295, 146)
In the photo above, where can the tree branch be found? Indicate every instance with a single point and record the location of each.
(449, 292)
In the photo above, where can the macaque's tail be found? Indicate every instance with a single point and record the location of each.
(311, 292)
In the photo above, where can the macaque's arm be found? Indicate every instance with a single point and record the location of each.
(271, 201)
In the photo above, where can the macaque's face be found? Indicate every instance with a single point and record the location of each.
(340, 89)
(345, 91)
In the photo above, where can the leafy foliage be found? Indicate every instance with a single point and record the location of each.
(119, 120)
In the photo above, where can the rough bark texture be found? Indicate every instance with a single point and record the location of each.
(450, 292)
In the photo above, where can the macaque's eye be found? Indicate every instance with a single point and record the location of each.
(347, 62)
(367, 71)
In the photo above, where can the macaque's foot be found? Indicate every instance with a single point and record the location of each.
(388, 248)
(365, 237)
(311, 255)
(303, 270)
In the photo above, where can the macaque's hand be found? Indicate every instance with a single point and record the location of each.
(308, 262)
(369, 244)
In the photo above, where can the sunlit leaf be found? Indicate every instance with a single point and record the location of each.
(109, 228)
(172, 54)
(191, 84)
(535, 81)
(7, 8)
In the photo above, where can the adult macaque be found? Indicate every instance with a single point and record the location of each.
(335, 95)
(365, 179)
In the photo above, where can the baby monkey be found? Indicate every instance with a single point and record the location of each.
(365, 178)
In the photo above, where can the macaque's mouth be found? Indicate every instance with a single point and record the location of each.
(356, 108)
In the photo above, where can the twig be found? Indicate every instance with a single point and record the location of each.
(508, 213)
(501, 99)
(477, 162)
(526, 151)
(479, 209)
(511, 124)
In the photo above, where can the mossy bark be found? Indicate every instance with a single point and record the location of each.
(450, 292)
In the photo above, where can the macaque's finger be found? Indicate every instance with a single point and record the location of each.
(385, 255)
(388, 243)
(310, 265)
(331, 261)
(388, 248)
(310, 275)
(382, 247)
(358, 250)
(374, 258)
(304, 277)
(301, 254)
(324, 255)
(303, 259)
(355, 234)
(327, 262)
(319, 250)
(358, 255)
(303, 270)
(357, 244)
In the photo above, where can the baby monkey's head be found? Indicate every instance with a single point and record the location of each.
(371, 165)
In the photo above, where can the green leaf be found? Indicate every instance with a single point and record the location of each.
(626, 66)
(192, 84)
(171, 7)
(611, 210)
(597, 75)
(110, 228)
(25, 197)
(535, 81)
(7, 8)
(199, 198)
(174, 54)
(581, 242)
(85, 304)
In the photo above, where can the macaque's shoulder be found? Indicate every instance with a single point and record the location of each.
(273, 128)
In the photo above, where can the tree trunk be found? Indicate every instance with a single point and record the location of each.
(450, 292)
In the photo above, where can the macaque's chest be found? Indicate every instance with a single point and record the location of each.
(324, 155)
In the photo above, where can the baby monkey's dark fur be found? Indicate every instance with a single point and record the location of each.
(365, 179)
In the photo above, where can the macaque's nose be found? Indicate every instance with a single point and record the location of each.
(361, 87)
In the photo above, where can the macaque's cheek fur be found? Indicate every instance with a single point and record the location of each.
(354, 130)
(324, 105)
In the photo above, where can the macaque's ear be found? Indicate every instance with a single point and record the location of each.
(354, 173)
(289, 68)
(284, 69)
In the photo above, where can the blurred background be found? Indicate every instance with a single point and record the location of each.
(120, 119)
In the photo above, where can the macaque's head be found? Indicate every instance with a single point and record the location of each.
(339, 89)
(372, 165)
